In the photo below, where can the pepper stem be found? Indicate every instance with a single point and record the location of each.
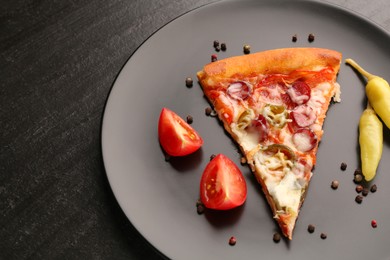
(368, 75)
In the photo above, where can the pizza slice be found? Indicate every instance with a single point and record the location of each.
(273, 104)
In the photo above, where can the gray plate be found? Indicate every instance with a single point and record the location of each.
(159, 197)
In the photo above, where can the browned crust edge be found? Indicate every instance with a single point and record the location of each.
(278, 61)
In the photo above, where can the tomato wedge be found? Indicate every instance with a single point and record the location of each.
(222, 185)
(176, 136)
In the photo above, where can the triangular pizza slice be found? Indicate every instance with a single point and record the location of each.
(273, 104)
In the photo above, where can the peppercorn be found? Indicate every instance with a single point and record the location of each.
(343, 166)
(232, 241)
(335, 185)
(212, 156)
(223, 46)
(359, 199)
(358, 178)
(311, 228)
(217, 49)
(189, 82)
(294, 38)
(200, 209)
(365, 192)
(357, 171)
(190, 119)
(373, 188)
(323, 235)
(311, 37)
(208, 111)
(374, 224)
(359, 188)
(214, 58)
(247, 49)
(216, 43)
(276, 237)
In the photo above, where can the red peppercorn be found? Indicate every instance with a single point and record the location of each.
(214, 57)
(373, 223)
(232, 241)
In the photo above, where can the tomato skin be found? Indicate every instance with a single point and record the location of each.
(222, 186)
(176, 136)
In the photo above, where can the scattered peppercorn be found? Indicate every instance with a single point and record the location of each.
(343, 166)
(217, 49)
(365, 192)
(374, 224)
(323, 235)
(198, 202)
(358, 171)
(359, 188)
(294, 38)
(335, 185)
(190, 119)
(216, 43)
(358, 178)
(223, 46)
(213, 113)
(311, 228)
(276, 237)
(359, 199)
(208, 111)
(373, 188)
(232, 241)
(189, 82)
(311, 37)
(247, 49)
(214, 58)
(200, 209)
(212, 156)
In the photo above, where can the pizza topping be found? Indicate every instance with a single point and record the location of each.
(278, 159)
(304, 139)
(299, 92)
(303, 116)
(239, 90)
(245, 119)
(276, 115)
(261, 127)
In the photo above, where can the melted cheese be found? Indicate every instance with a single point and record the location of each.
(287, 193)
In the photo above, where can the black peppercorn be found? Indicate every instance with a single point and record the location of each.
(343, 166)
(323, 236)
(217, 49)
(200, 209)
(223, 46)
(294, 38)
(359, 199)
(276, 237)
(373, 188)
(358, 171)
(190, 119)
(311, 37)
(208, 111)
(189, 82)
(311, 228)
(212, 156)
(247, 49)
(216, 43)
(365, 192)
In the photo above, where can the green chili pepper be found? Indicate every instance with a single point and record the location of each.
(370, 141)
(377, 91)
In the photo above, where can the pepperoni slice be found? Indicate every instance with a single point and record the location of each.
(239, 90)
(260, 125)
(303, 116)
(304, 139)
(299, 92)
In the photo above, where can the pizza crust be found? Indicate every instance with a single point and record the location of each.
(278, 61)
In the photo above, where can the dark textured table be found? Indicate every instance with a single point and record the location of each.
(58, 62)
